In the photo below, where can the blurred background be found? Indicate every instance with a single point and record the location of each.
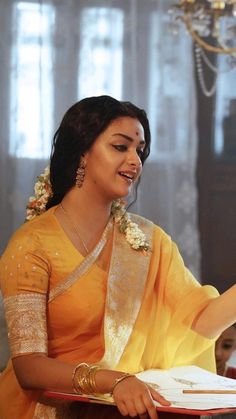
(56, 52)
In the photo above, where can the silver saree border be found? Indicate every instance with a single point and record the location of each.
(126, 283)
(83, 267)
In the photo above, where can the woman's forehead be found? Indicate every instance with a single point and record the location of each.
(229, 333)
(127, 125)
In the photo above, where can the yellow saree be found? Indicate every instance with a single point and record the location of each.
(117, 307)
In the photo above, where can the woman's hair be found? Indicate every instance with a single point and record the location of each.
(79, 129)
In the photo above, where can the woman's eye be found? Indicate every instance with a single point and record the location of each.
(227, 346)
(120, 147)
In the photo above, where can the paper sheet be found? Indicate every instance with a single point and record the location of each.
(171, 383)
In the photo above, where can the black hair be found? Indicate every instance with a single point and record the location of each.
(79, 129)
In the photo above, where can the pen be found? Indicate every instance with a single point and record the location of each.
(209, 391)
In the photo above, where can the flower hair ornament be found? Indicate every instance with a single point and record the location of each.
(133, 234)
(42, 189)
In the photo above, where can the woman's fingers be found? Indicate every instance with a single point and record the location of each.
(141, 406)
(132, 408)
(158, 397)
(122, 408)
(145, 407)
(135, 398)
(149, 405)
(127, 408)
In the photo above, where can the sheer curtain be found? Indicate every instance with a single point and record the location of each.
(56, 52)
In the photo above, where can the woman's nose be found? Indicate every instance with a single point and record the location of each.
(134, 160)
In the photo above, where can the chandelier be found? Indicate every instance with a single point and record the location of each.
(212, 26)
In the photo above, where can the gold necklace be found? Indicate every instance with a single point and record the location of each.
(74, 228)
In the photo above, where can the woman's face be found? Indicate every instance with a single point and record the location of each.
(113, 162)
(225, 345)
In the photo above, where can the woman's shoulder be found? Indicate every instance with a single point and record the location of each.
(141, 221)
(159, 239)
(32, 231)
(26, 260)
(157, 230)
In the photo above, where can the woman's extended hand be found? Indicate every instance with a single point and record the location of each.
(135, 398)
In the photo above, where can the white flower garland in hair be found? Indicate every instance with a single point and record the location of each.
(42, 189)
(37, 206)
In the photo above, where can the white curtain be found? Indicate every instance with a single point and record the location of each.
(56, 52)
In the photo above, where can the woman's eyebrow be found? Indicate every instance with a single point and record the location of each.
(127, 137)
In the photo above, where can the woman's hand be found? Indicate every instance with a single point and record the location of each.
(135, 398)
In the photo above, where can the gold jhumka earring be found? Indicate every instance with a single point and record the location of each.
(80, 174)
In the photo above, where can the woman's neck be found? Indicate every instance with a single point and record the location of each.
(87, 211)
(83, 219)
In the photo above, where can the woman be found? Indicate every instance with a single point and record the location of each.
(86, 282)
(224, 348)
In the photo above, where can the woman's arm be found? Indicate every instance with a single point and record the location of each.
(37, 371)
(132, 396)
(218, 315)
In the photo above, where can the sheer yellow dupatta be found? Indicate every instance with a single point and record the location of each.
(151, 303)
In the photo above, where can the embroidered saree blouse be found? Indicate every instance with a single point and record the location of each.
(39, 258)
(124, 310)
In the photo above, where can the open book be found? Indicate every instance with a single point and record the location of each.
(192, 387)
(187, 387)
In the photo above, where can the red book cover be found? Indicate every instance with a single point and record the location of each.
(108, 401)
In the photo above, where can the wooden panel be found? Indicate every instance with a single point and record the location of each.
(216, 179)
(219, 262)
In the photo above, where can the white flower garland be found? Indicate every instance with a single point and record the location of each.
(43, 191)
(37, 205)
(134, 235)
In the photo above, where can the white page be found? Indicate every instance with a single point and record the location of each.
(171, 383)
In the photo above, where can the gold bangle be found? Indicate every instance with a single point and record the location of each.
(83, 378)
(118, 380)
(92, 373)
(76, 377)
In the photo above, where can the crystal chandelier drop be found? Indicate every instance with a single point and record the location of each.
(212, 26)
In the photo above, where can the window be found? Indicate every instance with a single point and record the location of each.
(170, 75)
(31, 81)
(101, 52)
(225, 111)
